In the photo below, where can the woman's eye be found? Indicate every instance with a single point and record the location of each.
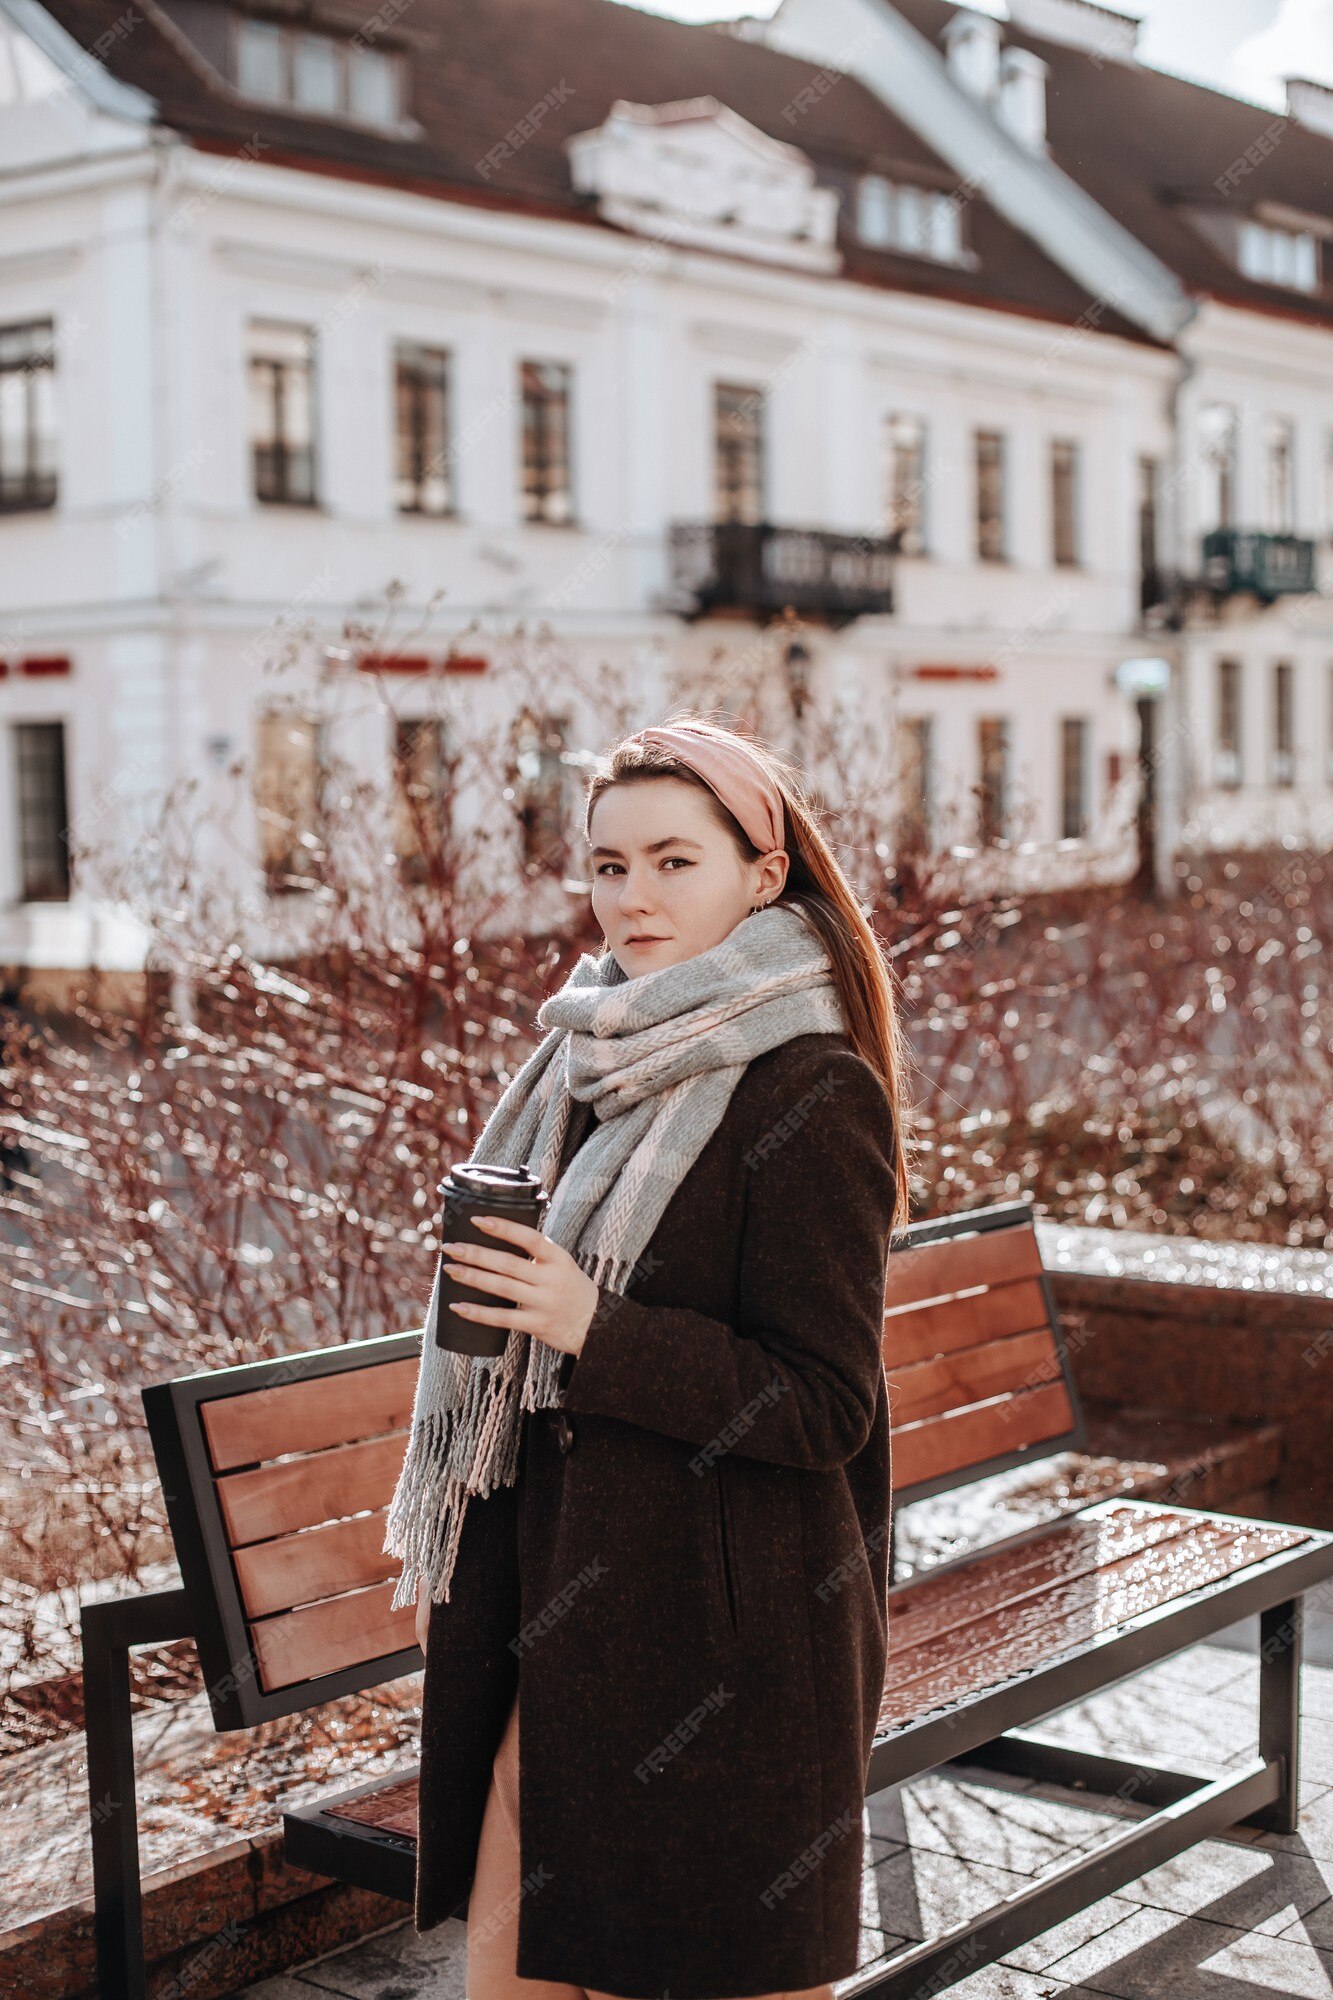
(683, 860)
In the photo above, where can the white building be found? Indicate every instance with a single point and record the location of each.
(1152, 190)
(583, 315)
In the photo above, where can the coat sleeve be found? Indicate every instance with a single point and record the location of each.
(797, 1381)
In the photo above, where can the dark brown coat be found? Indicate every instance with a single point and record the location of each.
(689, 1593)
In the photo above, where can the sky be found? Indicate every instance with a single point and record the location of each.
(1244, 46)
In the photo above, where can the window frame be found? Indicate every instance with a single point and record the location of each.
(403, 349)
(305, 369)
(749, 453)
(535, 496)
(1066, 474)
(38, 484)
(1075, 729)
(31, 887)
(999, 519)
(916, 540)
(289, 36)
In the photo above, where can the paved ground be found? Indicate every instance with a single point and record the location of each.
(1247, 1917)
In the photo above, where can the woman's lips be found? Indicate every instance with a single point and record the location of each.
(645, 940)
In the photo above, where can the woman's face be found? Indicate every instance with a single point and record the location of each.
(667, 881)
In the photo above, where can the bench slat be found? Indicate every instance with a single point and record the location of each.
(924, 1331)
(339, 1632)
(931, 1606)
(990, 1257)
(260, 1424)
(317, 1563)
(303, 1492)
(964, 1437)
(1011, 1639)
(390, 1809)
(952, 1381)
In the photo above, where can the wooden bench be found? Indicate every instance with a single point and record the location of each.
(286, 1592)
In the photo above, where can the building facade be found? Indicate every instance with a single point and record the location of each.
(698, 352)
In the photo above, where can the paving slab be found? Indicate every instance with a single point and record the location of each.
(1154, 1955)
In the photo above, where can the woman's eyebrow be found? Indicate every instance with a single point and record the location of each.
(653, 847)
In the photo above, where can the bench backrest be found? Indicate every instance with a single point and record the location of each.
(277, 1477)
(278, 1474)
(978, 1372)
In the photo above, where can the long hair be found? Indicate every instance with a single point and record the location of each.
(864, 979)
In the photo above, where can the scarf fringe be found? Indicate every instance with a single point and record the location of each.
(662, 1057)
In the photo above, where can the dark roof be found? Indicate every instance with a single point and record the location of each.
(1144, 143)
(478, 66)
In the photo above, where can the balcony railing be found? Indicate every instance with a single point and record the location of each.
(1269, 565)
(739, 566)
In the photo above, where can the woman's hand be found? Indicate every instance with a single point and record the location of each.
(554, 1298)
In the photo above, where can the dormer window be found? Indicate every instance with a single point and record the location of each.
(331, 76)
(893, 215)
(1279, 256)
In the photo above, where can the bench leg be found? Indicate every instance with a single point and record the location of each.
(1281, 1638)
(109, 1630)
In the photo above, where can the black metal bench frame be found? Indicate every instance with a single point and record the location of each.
(1186, 1806)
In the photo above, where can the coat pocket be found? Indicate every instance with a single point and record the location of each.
(726, 1550)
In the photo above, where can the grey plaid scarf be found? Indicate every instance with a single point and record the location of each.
(659, 1057)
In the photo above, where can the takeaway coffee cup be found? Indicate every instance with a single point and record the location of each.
(470, 1191)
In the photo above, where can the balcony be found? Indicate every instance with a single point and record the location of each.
(740, 566)
(1269, 565)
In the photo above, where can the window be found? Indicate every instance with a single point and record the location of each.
(916, 784)
(1279, 476)
(43, 818)
(993, 786)
(424, 476)
(925, 222)
(541, 789)
(547, 480)
(421, 795)
(282, 412)
(1064, 501)
(1279, 256)
(1147, 517)
(327, 75)
(907, 482)
(289, 788)
(27, 415)
(990, 496)
(1284, 730)
(738, 452)
(1073, 777)
(1228, 723)
(1328, 480)
(1217, 453)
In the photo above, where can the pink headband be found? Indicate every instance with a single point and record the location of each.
(730, 767)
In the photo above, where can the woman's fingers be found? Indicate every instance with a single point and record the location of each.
(485, 1281)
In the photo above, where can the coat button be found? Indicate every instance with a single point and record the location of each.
(564, 1431)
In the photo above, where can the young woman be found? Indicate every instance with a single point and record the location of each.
(662, 1515)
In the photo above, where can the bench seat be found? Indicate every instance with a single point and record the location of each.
(1010, 1624)
(277, 1476)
